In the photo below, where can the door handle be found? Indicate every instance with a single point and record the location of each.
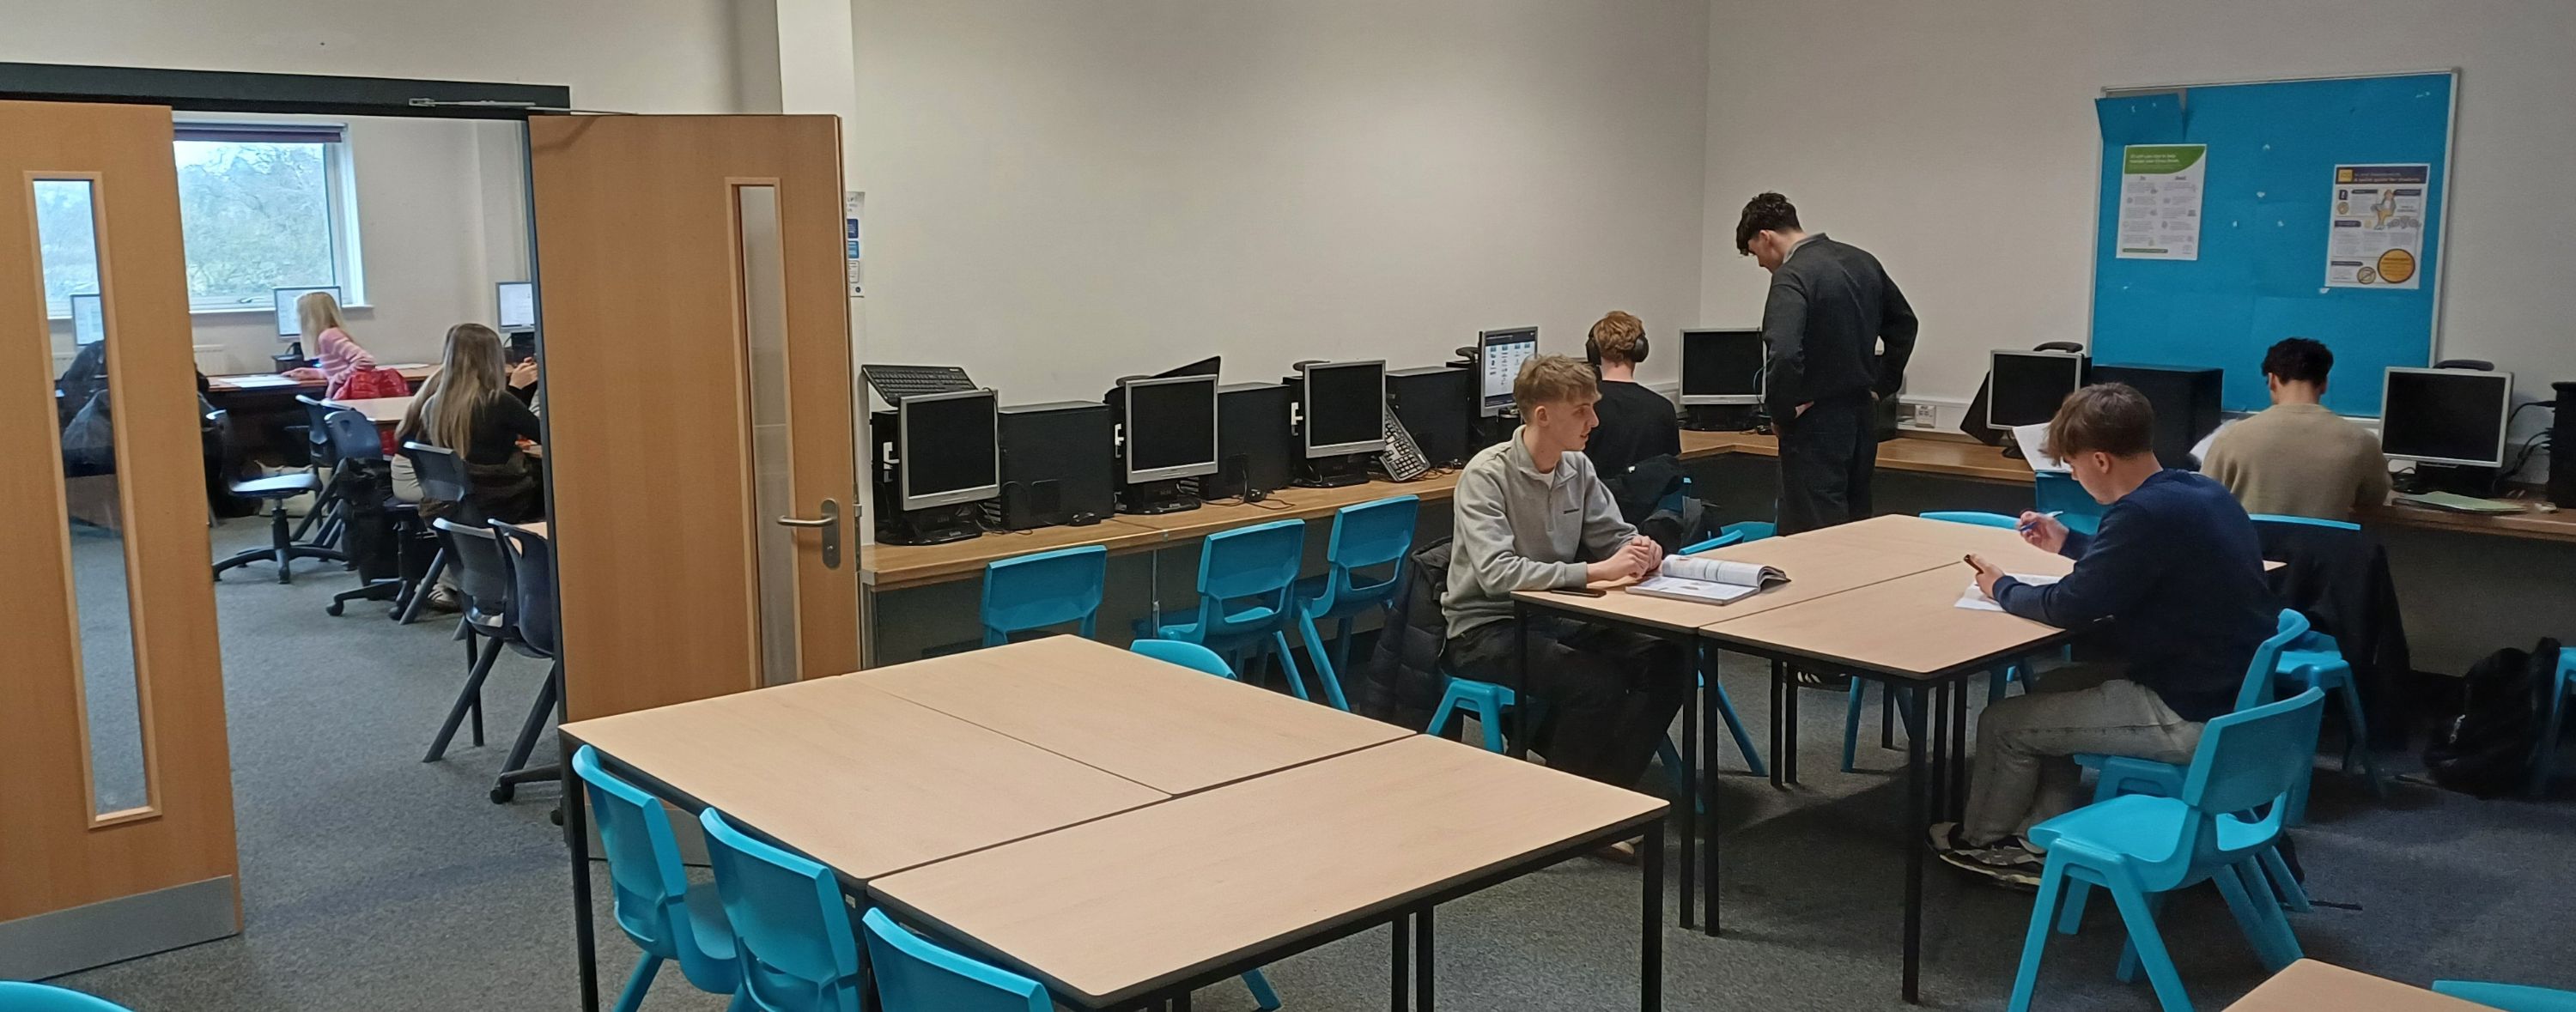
(830, 525)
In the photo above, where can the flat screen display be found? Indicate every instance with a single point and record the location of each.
(2451, 416)
(288, 324)
(518, 305)
(1171, 428)
(89, 319)
(948, 450)
(2029, 385)
(1501, 354)
(1722, 366)
(1345, 407)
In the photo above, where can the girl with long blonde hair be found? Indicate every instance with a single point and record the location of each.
(349, 369)
(467, 408)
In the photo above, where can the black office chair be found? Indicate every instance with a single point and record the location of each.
(442, 478)
(321, 523)
(530, 558)
(276, 490)
(485, 627)
(365, 520)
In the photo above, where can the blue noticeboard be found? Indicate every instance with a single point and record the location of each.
(2268, 192)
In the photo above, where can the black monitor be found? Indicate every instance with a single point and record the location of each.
(1722, 366)
(1499, 354)
(1344, 407)
(2029, 385)
(2445, 416)
(947, 450)
(1170, 424)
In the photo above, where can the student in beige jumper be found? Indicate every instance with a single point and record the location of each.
(2297, 458)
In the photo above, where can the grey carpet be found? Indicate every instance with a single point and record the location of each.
(374, 881)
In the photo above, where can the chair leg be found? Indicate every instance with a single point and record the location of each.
(2547, 756)
(2258, 929)
(2070, 918)
(2284, 940)
(420, 591)
(638, 982)
(2359, 730)
(2034, 942)
(534, 726)
(1327, 672)
(2277, 872)
(1288, 665)
(468, 698)
(2148, 948)
(282, 543)
(1443, 715)
(1489, 719)
(1851, 722)
(1342, 645)
(1735, 726)
(1263, 997)
(1996, 682)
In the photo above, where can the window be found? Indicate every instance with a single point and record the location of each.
(264, 206)
(67, 240)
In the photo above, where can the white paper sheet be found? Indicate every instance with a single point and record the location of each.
(1973, 599)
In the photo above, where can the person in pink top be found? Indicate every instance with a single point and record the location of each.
(344, 363)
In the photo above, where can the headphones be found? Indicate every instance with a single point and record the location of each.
(1592, 352)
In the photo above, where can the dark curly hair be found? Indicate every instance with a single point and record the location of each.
(2299, 360)
(1766, 212)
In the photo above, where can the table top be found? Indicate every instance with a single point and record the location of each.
(380, 410)
(1170, 728)
(1185, 886)
(1908, 626)
(1294, 503)
(2545, 525)
(2308, 985)
(1816, 569)
(2002, 547)
(859, 779)
(1922, 454)
(413, 372)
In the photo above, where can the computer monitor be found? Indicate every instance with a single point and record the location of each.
(2029, 385)
(288, 324)
(517, 301)
(1722, 366)
(1344, 406)
(948, 453)
(1499, 354)
(2445, 416)
(1170, 427)
(89, 319)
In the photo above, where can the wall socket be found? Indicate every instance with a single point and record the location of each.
(1923, 416)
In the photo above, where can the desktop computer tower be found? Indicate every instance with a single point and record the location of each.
(1437, 405)
(2185, 399)
(1254, 444)
(1059, 465)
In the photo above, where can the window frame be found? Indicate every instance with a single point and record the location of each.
(340, 203)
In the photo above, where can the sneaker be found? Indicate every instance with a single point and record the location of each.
(441, 600)
(2008, 861)
(1837, 682)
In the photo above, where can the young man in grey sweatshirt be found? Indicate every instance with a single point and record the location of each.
(1532, 515)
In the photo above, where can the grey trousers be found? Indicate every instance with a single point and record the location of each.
(2022, 775)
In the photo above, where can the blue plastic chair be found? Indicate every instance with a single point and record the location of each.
(1044, 589)
(1720, 541)
(665, 916)
(798, 952)
(2059, 492)
(1247, 581)
(20, 996)
(2561, 682)
(1489, 701)
(1187, 655)
(1974, 517)
(1365, 536)
(2142, 847)
(916, 976)
(1752, 530)
(2509, 997)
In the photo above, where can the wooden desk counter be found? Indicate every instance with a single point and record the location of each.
(859, 779)
(2554, 525)
(2309, 986)
(1293, 503)
(1905, 626)
(1111, 909)
(380, 410)
(1170, 728)
(1921, 454)
(269, 382)
(891, 567)
(2002, 547)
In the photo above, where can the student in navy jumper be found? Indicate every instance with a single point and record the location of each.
(2176, 572)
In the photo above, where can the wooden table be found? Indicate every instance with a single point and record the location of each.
(412, 372)
(1921, 454)
(1144, 906)
(1167, 727)
(384, 411)
(2311, 986)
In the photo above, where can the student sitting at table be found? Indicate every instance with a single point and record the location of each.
(467, 407)
(1532, 515)
(2296, 457)
(2178, 572)
(349, 369)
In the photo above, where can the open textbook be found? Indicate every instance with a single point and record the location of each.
(1708, 581)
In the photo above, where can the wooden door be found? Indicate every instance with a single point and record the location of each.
(116, 813)
(691, 289)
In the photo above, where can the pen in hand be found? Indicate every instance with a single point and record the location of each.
(2027, 525)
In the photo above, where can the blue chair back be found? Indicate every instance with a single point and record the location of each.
(789, 922)
(351, 437)
(1680, 495)
(1044, 589)
(2509, 997)
(2253, 757)
(20, 996)
(2058, 492)
(2257, 689)
(1245, 576)
(1971, 517)
(1187, 655)
(530, 559)
(1369, 534)
(643, 868)
(916, 976)
(2284, 518)
(1752, 530)
(1720, 541)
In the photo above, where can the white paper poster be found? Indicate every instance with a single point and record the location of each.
(850, 201)
(2375, 237)
(2160, 187)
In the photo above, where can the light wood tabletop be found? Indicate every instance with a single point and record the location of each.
(1192, 883)
(1170, 728)
(1910, 625)
(1920, 454)
(1816, 569)
(2002, 547)
(539, 528)
(2311, 986)
(861, 780)
(380, 410)
(2545, 525)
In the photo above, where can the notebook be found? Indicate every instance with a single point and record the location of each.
(2457, 503)
(1709, 581)
(1973, 599)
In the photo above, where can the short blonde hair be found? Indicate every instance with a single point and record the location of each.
(1554, 379)
(1616, 337)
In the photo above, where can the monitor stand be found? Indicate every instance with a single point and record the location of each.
(1145, 498)
(1721, 417)
(2463, 479)
(1491, 429)
(1335, 471)
(937, 525)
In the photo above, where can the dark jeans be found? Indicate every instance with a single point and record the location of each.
(1604, 696)
(1826, 457)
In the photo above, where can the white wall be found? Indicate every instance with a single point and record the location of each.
(1062, 193)
(1957, 141)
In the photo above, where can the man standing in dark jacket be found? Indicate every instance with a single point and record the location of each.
(1831, 306)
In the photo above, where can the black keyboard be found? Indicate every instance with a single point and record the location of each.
(896, 382)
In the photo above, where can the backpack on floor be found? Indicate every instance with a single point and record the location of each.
(2487, 750)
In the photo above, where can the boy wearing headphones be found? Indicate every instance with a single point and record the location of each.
(1636, 423)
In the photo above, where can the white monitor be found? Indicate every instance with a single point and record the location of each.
(1343, 407)
(518, 305)
(1499, 355)
(948, 450)
(288, 325)
(2445, 416)
(89, 319)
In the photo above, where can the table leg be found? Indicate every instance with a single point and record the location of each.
(1516, 728)
(1939, 700)
(1181, 1004)
(1399, 962)
(1709, 721)
(1911, 833)
(1779, 766)
(1959, 750)
(1789, 731)
(1689, 802)
(1650, 939)
(1886, 715)
(1424, 966)
(576, 826)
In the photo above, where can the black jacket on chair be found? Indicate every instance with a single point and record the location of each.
(2339, 579)
(1402, 681)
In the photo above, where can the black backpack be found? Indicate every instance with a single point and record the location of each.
(2488, 749)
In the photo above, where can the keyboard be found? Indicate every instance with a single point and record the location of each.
(1402, 459)
(896, 382)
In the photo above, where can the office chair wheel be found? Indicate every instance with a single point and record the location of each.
(555, 816)
(332, 609)
(501, 793)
